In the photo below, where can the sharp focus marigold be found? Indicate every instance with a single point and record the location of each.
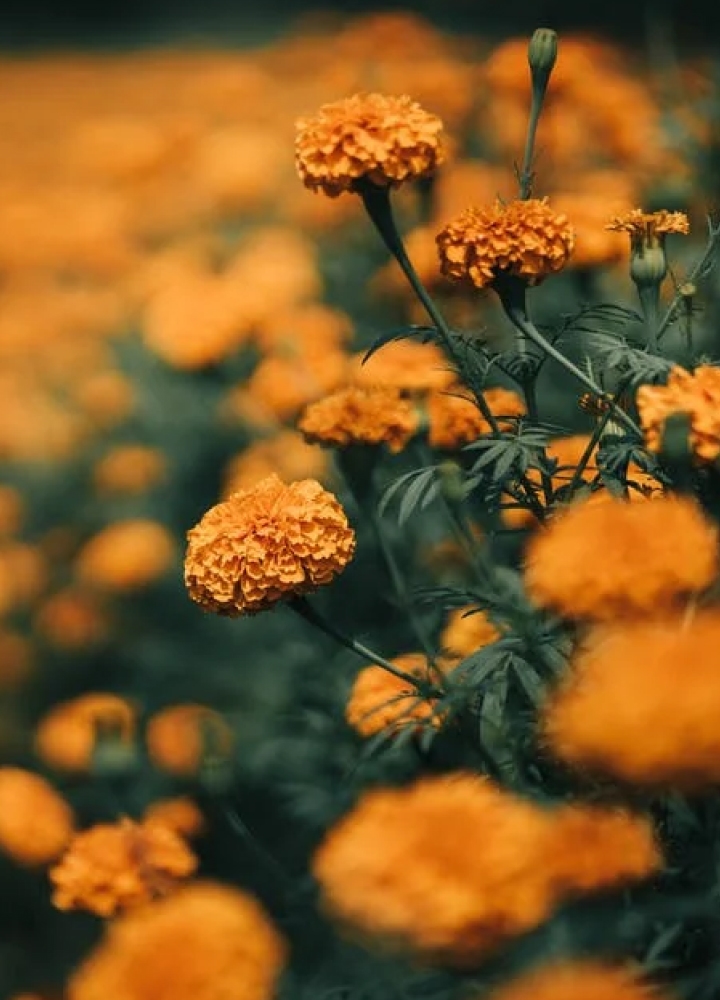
(524, 239)
(361, 415)
(373, 138)
(115, 866)
(696, 394)
(620, 559)
(265, 544)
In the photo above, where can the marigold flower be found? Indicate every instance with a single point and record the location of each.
(521, 238)
(311, 326)
(115, 866)
(180, 814)
(595, 245)
(617, 559)
(129, 469)
(641, 703)
(197, 944)
(71, 619)
(406, 365)
(285, 453)
(67, 736)
(126, 555)
(487, 858)
(467, 630)
(648, 229)
(454, 418)
(266, 544)
(35, 821)
(179, 737)
(379, 700)
(373, 138)
(591, 980)
(696, 394)
(369, 415)
(283, 383)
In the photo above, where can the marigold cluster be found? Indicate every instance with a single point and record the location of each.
(493, 864)
(618, 559)
(524, 239)
(200, 943)
(376, 139)
(113, 867)
(381, 701)
(641, 703)
(364, 415)
(266, 544)
(586, 978)
(696, 394)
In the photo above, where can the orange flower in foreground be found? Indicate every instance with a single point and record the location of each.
(467, 630)
(493, 864)
(126, 555)
(371, 415)
(67, 735)
(115, 866)
(36, 823)
(590, 980)
(375, 138)
(266, 544)
(204, 942)
(641, 703)
(404, 364)
(521, 238)
(696, 394)
(618, 559)
(285, 453)
(455, 419)
(179, 737)
(379, 700)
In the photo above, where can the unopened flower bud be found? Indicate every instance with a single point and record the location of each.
(648, 266)
(542, 53)
(452, 484)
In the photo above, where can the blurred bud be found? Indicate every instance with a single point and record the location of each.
(113, 754)
(648, 266)
(542, 53)
(452, 485)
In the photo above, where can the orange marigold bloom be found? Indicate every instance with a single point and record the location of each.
(374, 138)
(467, 630)
(454, 418)
(283, 383)
(36, 823)
(180, 736)
(116, 866)
(129, 469)
(126, 555)
(200, 943)
(379, 700)
(406, 365)
(521, 238)
(285, 453)
(588, 979)
(641, 703)
(265, 544)
(400, 847)
(71, 619)
(648, 229)
(695, 393)
(594, 246)
(66, 736)
(180, 814)
(370, 415)
(616, 559)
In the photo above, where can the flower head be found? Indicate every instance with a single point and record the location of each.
(467, 630)
(404, 364)
(127, 555)
(695, 393)
(454, 418)
(381, 701)
(641, 703)
(181, 736)
(115, 866)
(361, 415)
(265, 544)
(197, 944)
(525, 239)
(35, 821)
(648, 229)
(372, 138)
(617, 559)
(67, 736)
(588, 979)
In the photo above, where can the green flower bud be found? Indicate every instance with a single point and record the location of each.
(648, 266)
(542, 53)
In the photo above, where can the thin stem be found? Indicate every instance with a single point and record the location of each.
(526, 175)
(528, 387)
(650, 303)
(301, 606)
(692, 278)
(594, 440)
(519, 318)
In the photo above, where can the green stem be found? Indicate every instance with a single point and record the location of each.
(650, 303)
(526, 175)
(528, 387)
(695, 273)
(301, 606)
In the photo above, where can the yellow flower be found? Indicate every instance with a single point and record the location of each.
(375, 138)
(265, 544)
(525, 239)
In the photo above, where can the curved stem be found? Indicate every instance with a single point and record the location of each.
(301, 606)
